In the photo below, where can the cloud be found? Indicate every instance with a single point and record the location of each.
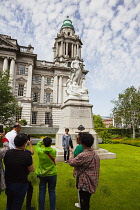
(109, 30)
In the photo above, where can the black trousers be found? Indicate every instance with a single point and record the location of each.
(66, 155)
(29, 196)
(84, 199)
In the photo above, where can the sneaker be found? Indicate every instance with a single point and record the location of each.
(65, 161)
(77, 205)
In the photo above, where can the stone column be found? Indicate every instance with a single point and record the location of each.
(72, 51)
(61, 51)
(56, 53)
(42, 89)
(80, 52)
(5, 64)
(66, 49)
(55, 86)
(12, 71)
(77, 51)
(60, 90)
(29, 81)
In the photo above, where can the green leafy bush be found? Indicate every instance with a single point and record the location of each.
(114, 136)
(106, 141)
(136, 143)
(121, 132)
(104, 134)
(23, 122)
(116, 141)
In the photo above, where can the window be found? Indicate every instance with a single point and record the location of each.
(34, 117)
(48, 98)
(18, 115)
(20, 89)
(48, 81)
(36, 80)
(35, 97)
(22, 70)
(69, 64)
(47, 117)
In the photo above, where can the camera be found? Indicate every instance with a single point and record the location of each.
(28, 136)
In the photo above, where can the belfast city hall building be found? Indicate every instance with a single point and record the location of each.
(40, 86)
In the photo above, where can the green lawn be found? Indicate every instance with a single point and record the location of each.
(119, 185)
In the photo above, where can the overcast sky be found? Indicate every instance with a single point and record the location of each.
(109, 30)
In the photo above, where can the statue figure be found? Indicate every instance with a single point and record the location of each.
(75, 85)
(76, 74)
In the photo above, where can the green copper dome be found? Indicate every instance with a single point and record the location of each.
(67, 23)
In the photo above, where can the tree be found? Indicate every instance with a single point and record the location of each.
(8, 103)
(127, 108)
(98, 123)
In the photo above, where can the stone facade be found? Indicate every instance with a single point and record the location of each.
(38, 85)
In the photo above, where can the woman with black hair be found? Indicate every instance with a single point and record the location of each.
(46, 171)
(87, 166)
(18, 164)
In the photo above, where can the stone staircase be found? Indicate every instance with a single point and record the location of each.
(103, 154)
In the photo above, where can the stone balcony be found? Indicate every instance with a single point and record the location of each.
(44, 63)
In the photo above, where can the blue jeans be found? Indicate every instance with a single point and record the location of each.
(51, 181)
(15, 195)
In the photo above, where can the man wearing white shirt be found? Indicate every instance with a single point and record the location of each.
(12, 134)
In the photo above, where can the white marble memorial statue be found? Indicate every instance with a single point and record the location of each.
(75, 85)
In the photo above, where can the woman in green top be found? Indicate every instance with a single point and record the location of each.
(46, 171)
(79, 148)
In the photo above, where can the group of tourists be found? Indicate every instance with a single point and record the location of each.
(18, 164)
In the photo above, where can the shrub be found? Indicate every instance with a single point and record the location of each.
(114, 136)
(116, 141)
(106, 141)
(136, 143)
(23, 122)
(104, 134)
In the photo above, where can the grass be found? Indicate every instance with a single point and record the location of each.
(119, 184)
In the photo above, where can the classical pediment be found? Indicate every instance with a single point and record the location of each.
(20, 79)
(5, 43)
(36, 88)
(48, 89)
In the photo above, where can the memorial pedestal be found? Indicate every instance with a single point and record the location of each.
(74, 113)
(77, 112)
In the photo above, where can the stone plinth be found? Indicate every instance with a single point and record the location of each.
(102, 153)
(77, 112)
(74, 113)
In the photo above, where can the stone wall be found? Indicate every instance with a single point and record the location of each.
(39, 130)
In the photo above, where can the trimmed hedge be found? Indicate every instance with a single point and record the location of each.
(133, 142)
(121, 132)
